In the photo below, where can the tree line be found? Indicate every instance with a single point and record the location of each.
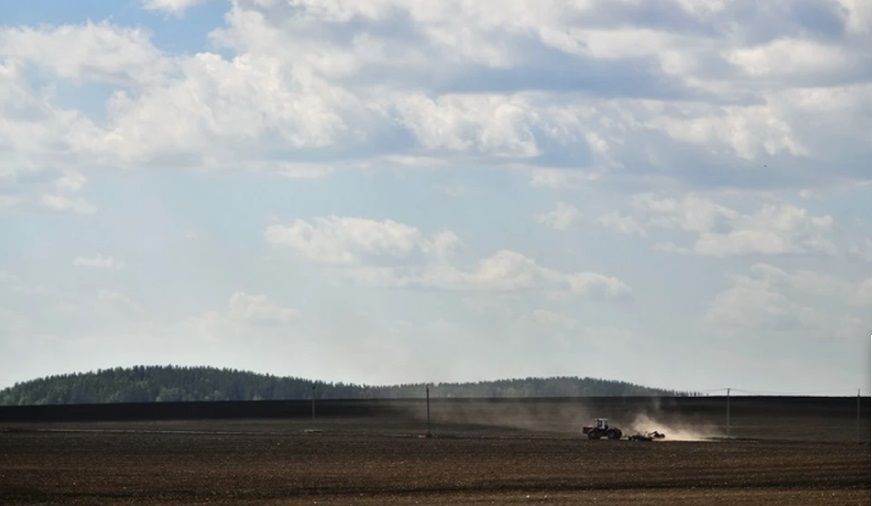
(176, 383)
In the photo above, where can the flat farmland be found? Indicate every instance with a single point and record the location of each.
(780, 451)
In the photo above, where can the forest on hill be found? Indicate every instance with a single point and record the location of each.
(175, 383)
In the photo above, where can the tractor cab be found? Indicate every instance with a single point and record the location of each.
(601, 429)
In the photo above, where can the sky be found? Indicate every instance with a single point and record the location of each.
(676, 193)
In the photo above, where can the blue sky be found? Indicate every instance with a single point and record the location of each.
(673, 193)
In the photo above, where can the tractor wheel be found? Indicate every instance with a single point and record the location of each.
(614, 434)
(593, 435)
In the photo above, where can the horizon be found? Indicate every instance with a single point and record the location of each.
(388, 192)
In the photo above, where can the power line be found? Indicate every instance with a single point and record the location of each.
(769, 392)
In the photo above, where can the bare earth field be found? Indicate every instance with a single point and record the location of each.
(536, 456)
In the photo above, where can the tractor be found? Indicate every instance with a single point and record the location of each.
(602, 430)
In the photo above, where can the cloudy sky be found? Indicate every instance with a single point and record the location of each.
(673, 192)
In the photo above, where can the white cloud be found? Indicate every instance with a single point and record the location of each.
(176, 7)
(258, 309)
(458, 81)
(88, 52)
(782, 229)
(594, 284)
(302, 170)
(794, 58)
(746, 132)
(391, 254)
(99, 261)
(246, 315)
(859, 15)
(70, 182)
(226, 110)
(721, 231)
(772, 299)
(504, 271)
(755, 304)
(861, 249)
(64, 203)
(7, 201)
(864, 292)
(623, 224)
(562, 217)
(35, 133)
(347, 240)
(559, 178)
(116, 302)
(549, 318)
(493, 124)
(802, 281)
(692, 213)
(64, 197)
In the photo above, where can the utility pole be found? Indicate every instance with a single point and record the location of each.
(429, 434)
(313, 401)
(728, 413)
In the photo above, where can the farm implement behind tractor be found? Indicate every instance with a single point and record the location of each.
(647, 436)
(601, 429)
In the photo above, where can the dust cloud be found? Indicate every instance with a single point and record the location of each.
(550, 417)
(563, 417)
(674, 430)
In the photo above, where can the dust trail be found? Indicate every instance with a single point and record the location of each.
(674, 430)
(553, 417)
(567, 417)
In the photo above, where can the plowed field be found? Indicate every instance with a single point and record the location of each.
(378, 460)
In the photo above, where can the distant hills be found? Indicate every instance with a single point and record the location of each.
(173, 383)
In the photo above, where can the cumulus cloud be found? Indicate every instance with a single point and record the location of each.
(861, 249)
(495, 125)
(753, 303)
(546, 177)
(770, 230)
(89, 52)
(504, 271)
(623, 224)
(99, 261)
(66, 203)
(798, 59)
(771, 299)
(864, 292)
(116, 301)
(347, 240)
(176, 7)
(226, 109)
(562, 217)
(691, 212)
(35, 133)
(549, 318)
(258, 309)
(722, 231)
(596, 88)
(391, 254)
(245, 313)
(802, 280)
(65, 198)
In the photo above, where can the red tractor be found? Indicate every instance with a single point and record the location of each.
(602, 430)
